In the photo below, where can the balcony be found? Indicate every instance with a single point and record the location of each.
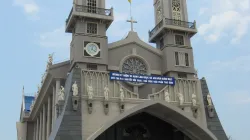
(173, 25)
(88, 12)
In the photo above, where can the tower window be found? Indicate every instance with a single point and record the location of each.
(91, 67)
(92, 28)
(91, 6)
(181, 59)
(179, 39)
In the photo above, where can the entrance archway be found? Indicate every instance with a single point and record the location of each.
(142, 126)
(137, 122)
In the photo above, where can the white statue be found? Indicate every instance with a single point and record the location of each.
(106, 93)
(209, 99)
(61, 94)
(35, 96)
(181, 98)
(90, 92)
(194, 102)
(121, 95)
(75, 89)
(167, 96)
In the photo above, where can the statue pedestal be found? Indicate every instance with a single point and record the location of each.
(210, 109)
(59, 107)
(195, 110)
(75, 102)
(106, 106)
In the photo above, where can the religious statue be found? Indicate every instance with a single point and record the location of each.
(106, 93)
(43, 78)
(75, 89)
(194, 102)
(181, 98)
(32, 105)
(38, 89)
(50, 58)
(167, 96)
(61, 94)
(90, 92)
(121, 95)
(35, 96)
(209, 99)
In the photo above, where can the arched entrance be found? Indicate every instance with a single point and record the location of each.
(142, 126)
(151, 119)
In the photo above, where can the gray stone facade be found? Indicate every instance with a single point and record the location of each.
(109, 109)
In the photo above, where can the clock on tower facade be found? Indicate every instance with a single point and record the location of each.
(88, 23)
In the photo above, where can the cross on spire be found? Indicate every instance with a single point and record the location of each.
(132, 21)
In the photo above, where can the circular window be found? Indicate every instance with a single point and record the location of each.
(135, 65)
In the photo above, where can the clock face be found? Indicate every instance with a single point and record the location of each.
(92, 49)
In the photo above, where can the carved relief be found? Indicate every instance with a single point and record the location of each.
(194, 102)
(90, 92)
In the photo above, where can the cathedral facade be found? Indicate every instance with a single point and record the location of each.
(125, 90)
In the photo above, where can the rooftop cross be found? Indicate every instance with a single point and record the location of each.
(131, 20)
(132, 23)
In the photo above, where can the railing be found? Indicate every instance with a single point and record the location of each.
(158, 26)
(180, 23)
(190, 25)
(87, 9)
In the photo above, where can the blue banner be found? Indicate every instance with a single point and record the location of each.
(142, 78)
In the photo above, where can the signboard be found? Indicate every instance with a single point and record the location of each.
(142, 78)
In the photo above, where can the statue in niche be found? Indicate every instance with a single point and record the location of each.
(209, 99)
(167, 96)
(61, 94)
(121, 94)
(106, 93)
(181, 98)
(75, 89)
(194, 102)
(90, 92)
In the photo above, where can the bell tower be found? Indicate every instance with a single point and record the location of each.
(88, 22)
(172, 34)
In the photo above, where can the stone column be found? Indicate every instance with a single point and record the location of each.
(58, 84)
(40, 126)
(44, 123)
(48, 117)
(37, 128)
(53, 106)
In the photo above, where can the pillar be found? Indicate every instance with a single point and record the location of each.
(53, 107)
(34, 132)
(44, 123)
(40, 126)
(58, 84)
(37, 128)
(48, 117)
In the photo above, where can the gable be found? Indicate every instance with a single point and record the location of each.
(133, 46)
